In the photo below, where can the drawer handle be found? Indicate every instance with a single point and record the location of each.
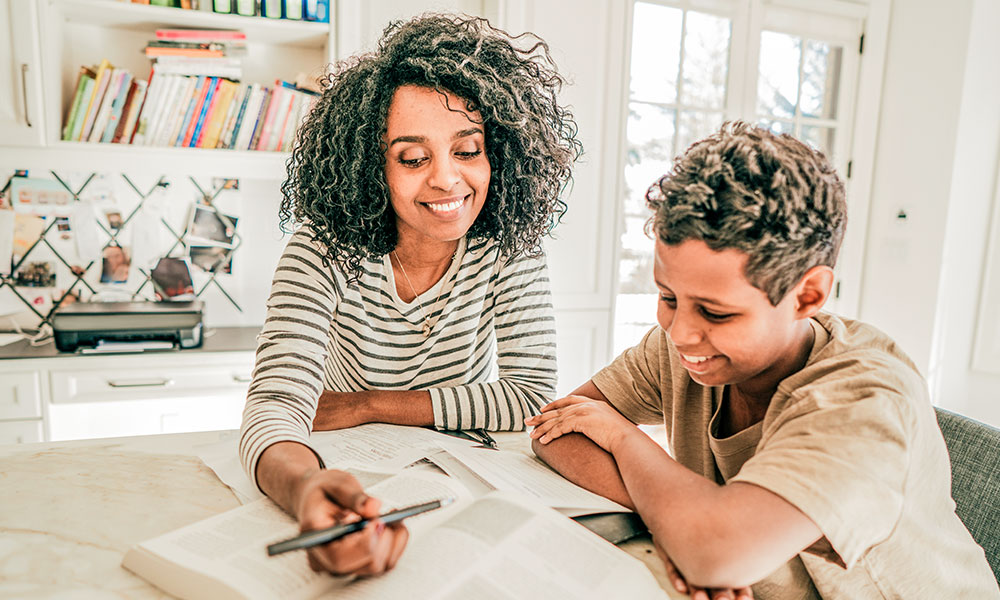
(24, 92)
(130, 383)
(242, 378)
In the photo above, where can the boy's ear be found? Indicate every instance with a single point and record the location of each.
(812, 291)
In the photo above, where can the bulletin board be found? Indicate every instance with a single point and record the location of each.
(83, 237)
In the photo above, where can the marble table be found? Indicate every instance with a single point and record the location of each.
(70, 510)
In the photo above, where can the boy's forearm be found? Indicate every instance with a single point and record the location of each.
(719, 536)
(584, 463)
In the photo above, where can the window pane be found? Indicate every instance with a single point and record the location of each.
(706, 60)
(821, 79)
(778, 126)
(778, 83)
(656, 43)
(693, 126)
(650, 133)
(820, 138)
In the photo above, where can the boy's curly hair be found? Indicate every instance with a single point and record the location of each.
(767, 195)
(336, 174)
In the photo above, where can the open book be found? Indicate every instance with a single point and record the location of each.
(497, 546)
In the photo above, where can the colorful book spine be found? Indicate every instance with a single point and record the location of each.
(216, 113)
(199, 102)
(246, 121)
(189, 114)
(104, 112)
(204, 112)
(101, 83)
(74, 107)
(130, 121)
(258, 127)
(81, 110)
(117, 106)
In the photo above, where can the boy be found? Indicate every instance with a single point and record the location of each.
(806, 457)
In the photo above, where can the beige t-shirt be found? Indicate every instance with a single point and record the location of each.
(851, 440)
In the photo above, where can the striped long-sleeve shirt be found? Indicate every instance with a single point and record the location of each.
(488, 362)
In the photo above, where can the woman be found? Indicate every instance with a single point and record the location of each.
(423, 182)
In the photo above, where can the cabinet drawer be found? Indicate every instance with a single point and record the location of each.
(105, 385)
(20, 395)
(20, 432)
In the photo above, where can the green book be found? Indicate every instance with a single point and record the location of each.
(81, 84)
(81, 110)
(222, 6)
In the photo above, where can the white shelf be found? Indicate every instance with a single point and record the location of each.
(139, 17)
(85, 156)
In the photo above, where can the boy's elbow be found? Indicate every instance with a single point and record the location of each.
(715, 564)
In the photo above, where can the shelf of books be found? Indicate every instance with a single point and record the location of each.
(125, 15)
(160, 78)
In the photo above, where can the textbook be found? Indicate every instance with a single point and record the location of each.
(498, 546)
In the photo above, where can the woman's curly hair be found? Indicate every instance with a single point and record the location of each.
(769, 196)
(336, 174)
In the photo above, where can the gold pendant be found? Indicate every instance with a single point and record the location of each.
(427, 328)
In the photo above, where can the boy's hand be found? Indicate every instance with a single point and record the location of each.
(698, 593)
(595, 419)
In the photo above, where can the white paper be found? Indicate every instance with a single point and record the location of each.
(6, 240)
(231, 547)
(376, 446)
(519, 473)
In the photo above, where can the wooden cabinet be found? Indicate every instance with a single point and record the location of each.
(21, 121)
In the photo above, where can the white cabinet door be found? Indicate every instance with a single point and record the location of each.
(20, 75)
(20, 432)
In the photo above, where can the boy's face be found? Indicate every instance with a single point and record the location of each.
(725, 329)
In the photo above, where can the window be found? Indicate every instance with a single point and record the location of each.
(695, 64)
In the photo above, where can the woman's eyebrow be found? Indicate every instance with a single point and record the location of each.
(419, 139)
(467, 132)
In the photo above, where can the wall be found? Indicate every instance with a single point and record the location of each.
(936, 161)
(955, 384)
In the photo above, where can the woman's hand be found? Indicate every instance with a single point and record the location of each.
(328, 497)
(595, 419)
(698, 593)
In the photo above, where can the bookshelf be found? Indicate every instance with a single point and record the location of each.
(71, 33)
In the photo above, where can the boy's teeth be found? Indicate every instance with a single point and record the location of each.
(446, 207)
(695, 359)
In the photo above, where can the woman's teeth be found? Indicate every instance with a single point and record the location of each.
(447, 206)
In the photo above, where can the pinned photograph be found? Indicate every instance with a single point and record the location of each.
(115, 264)
(172, 279)
(114, 219)
(36, 274)
(39, 196)
(211, 228)
(212, 259)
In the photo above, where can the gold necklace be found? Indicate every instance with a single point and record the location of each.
(426, 329)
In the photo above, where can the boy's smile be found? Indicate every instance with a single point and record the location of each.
(725, 330)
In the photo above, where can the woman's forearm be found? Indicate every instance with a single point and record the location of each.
(339, 410)
(280, 470)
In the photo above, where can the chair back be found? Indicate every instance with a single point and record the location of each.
(974, 449)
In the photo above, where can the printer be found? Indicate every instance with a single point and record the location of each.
(127, 326)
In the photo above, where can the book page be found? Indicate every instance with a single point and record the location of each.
(519, 473)
(502, 547)
(376, 446)
(232, 547)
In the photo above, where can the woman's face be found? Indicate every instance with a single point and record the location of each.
(435, 165)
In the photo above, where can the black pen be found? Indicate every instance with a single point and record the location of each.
(486, 438)
(318, 537)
